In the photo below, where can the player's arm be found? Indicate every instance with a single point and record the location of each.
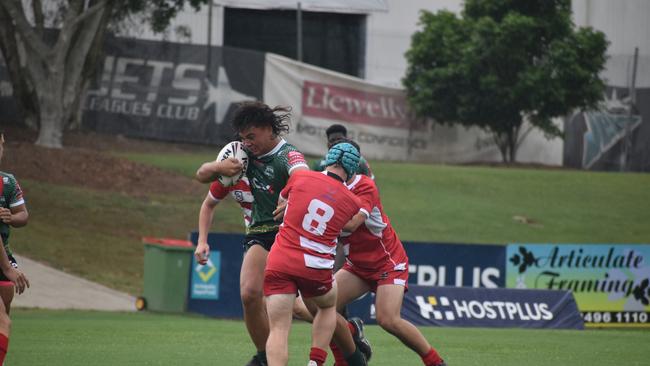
(209, 171)
(16, 216)
(18, 278)
(296, 162)
(356, 221)
(206, 214)
(283, 200)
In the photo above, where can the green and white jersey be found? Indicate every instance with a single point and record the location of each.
(363, 169)
(10, 196)
(267, 175)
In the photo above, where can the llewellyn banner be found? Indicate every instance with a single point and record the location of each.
(611, 283)
(376, 116)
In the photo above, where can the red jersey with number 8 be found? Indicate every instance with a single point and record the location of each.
(318, 207)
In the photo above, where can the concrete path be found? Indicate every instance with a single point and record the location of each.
(53, 289)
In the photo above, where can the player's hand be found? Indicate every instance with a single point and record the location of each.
(278, 213)
(230, 167)
(5, 215)
(202, 253)
(18, 278)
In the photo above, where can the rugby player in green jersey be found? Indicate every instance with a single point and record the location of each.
(12, 213)
(272, 161)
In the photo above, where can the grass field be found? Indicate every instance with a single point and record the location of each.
(477, 204)
(424, 202)
(69, 338)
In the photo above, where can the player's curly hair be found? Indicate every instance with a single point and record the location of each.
(258, 114)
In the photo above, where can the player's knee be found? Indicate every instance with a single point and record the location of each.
(5, 322)
(388, 322)
(251, 295)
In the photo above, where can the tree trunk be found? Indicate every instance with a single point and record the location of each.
(55, 71)
(52, 113)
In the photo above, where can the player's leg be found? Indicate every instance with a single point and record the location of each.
(5, 323)
(7, 291)
(388, 304)
(279, 308)
(251, 283)
(323, 325)
(301, 311)
(350, 287)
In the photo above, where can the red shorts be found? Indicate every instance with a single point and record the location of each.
(318, 283)
(376, 278)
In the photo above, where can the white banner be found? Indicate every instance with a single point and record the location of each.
(376, 117)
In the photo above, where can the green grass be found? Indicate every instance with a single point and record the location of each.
(477, 204)
(71, 338)
(97, 234)
(181, 163)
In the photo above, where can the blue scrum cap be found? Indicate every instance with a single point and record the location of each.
(346, 155)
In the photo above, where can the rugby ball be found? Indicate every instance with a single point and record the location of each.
(233, 149)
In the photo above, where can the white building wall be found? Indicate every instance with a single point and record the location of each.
(627, 25)
(389, 37)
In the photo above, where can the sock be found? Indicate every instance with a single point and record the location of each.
(353, 330)
(261, 355)
(339, 359)
(317, 355)
(432, 358)
(4, 345)
(356, 359)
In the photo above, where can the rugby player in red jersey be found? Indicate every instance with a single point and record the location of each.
(318, 205)
(377, 262)
(271, 161)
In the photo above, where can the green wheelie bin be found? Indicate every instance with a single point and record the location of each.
(166, 274)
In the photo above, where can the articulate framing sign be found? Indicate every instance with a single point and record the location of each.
(205, 278)
(611, 283)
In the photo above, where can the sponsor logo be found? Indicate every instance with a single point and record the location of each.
(428, 275)
(354, 105)
(162, 89)
(444, 308)
(205, 278)
(616, 271)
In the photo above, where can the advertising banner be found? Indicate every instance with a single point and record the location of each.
(610, 282)
(214, 288)
(376, 116)
(205, 278)
(615, 138)
(469, 265)
(481, 307)
(171, 91)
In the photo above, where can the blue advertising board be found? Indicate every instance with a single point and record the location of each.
(215, 292)
(482, 307)
(470, 265)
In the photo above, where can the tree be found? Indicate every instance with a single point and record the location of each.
(49, 71)
(501, 63)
